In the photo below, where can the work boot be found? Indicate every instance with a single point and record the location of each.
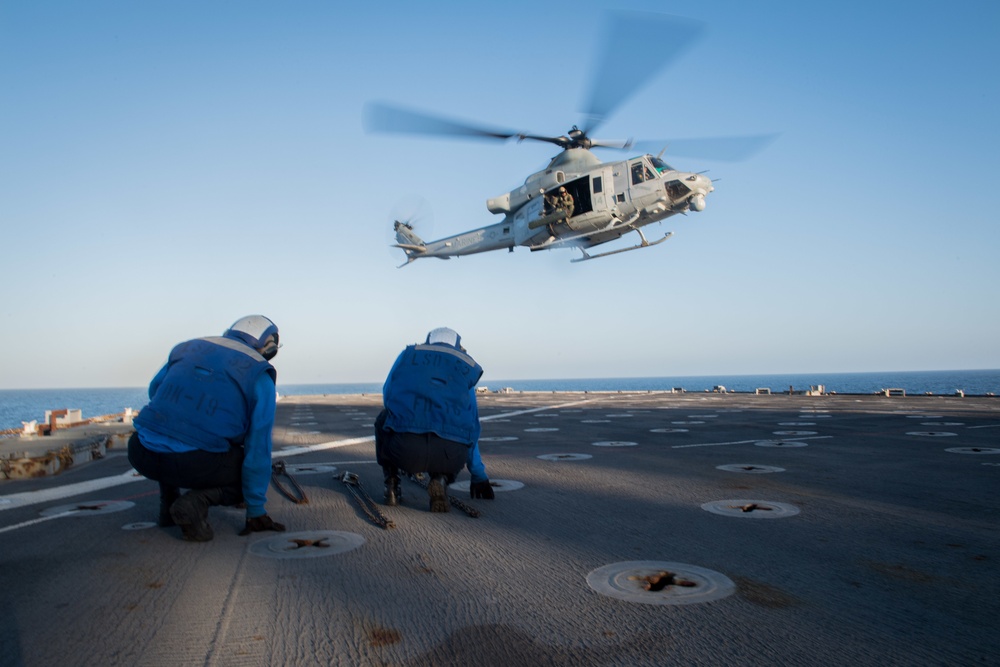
(190, 512)
(168, 494)
(437, 489)
(393, 494)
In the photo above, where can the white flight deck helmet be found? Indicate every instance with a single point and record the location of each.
(258, 332)
(446, 336)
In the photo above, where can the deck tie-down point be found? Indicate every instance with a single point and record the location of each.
(299, 544)
(750, 507)
(659, 581)
(673, 583)
(307, 544)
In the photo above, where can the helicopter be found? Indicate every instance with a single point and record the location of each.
(578, 201)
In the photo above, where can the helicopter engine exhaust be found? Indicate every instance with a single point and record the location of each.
(698, 202)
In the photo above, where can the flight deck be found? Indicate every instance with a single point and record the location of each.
(628, 529)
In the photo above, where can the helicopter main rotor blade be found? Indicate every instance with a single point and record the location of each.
(725, 149)
(637, 46)
(562, 142)
(381, 117)
(604, 143)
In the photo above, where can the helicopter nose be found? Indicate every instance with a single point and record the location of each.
(701, 186)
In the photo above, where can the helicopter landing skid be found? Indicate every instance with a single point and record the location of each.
(644, 244)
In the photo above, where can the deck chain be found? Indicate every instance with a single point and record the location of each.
(420, 480)
(278, 470)
(365, 501)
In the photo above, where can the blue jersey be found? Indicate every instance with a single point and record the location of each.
(432, 389)
(255, 407)
(202, 397)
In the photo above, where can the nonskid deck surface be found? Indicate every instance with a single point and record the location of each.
(768, 529)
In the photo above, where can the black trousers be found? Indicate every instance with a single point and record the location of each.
(191, 470)
(417, 452)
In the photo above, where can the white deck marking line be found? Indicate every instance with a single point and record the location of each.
(34, 521)
(59, 492)
(743, 442)
(333, 444)
(529, 411)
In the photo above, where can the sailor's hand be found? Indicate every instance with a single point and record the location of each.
(482, 490)
(261, 523)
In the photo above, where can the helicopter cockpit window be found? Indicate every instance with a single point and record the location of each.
(641, 173)
(660, 166)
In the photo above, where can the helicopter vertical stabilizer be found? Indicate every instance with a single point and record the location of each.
(407, 239)
(405, 235)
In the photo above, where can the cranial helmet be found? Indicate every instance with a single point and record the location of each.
(258, 332)
(446, 336)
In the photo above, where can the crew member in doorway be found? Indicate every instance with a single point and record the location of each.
(566, 202)
(207, 428)
(430, 420)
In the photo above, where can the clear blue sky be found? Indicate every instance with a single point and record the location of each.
(169, 166)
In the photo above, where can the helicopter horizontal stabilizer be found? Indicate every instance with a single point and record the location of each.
(414, 252)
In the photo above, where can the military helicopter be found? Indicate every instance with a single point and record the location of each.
(578, 201)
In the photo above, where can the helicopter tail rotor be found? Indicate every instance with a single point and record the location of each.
(407, 239)
(414, 213)
(411, 217)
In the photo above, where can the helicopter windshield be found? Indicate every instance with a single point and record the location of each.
(660, 165)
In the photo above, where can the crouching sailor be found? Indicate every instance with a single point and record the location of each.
(430, 420)
(207, 428)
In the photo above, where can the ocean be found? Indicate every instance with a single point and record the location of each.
(17, 405)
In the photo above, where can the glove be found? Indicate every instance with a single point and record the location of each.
(482, 490)
(262, 523)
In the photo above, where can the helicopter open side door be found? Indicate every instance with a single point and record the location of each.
(540, 221)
